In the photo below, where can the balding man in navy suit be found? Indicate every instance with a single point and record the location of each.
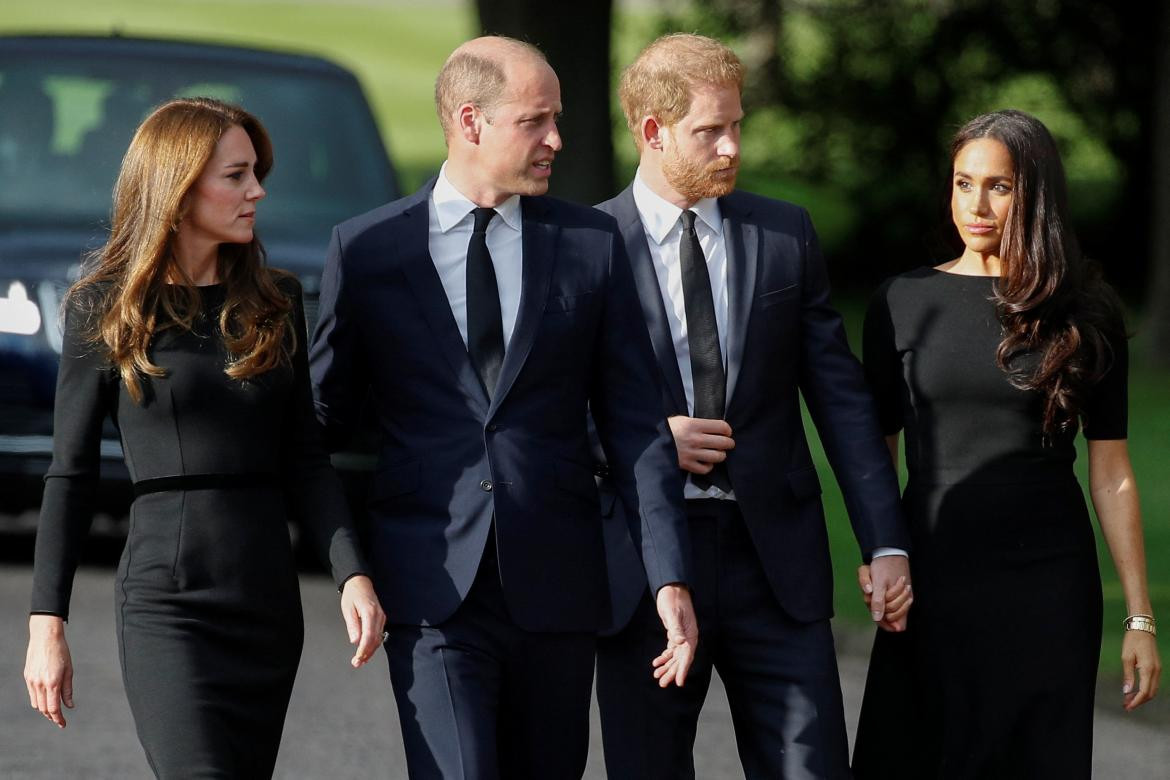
(484, 319)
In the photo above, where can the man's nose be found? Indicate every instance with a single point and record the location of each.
(553, 140)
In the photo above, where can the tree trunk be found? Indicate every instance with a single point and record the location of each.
(577, 44)
(1158, 295)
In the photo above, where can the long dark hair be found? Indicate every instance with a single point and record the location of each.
(1052, 302)
(125, 293)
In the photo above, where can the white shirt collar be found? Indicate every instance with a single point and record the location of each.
(452, 207)
(659, 216)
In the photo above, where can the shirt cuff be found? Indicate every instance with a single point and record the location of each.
(882, 552)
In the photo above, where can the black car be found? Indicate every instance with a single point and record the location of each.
(68, 108)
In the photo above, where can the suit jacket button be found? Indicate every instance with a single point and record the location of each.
(486, 485)
(492, 428)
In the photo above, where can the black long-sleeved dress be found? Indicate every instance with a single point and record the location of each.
(994, 677)
(208, 606)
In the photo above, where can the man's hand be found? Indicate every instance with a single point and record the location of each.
(701, 443)
(48, 668)
(885, 586)
(364, 618)
(682, 635)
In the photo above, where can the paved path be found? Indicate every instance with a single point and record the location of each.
(342, 723)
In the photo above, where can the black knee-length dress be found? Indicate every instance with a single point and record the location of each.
(208, 607)
(994, 677)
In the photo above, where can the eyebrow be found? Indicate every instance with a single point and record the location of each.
(241, 164)
(966, 175)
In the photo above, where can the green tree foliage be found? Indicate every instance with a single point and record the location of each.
(861, 97)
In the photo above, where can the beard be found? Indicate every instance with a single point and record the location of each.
(695, 181)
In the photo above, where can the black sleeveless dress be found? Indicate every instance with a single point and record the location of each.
(208, 605)
(995, 676)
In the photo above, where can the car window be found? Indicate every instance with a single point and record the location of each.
(66, 121)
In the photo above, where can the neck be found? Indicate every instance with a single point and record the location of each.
(650, 168)
(976, 264)
(461, 174)
(200, 262)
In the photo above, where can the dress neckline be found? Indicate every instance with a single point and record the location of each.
(963, 276)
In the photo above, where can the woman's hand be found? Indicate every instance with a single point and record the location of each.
(898, 598)
(1139, 651)
(48, 668)
(364, 619)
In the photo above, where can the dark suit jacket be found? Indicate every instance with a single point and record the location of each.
(450, 459)
(784, 340)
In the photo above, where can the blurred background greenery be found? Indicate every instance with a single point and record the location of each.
(850, 105)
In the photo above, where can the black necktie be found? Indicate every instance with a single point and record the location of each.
(485, 327)
(710, 383)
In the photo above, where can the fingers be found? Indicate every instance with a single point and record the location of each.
(1141, 682)
(877, 604)
(701, 443)
(48, 676)
(700, 461)
(712, 443)
(682, 635)
(898, 598)
(67, 688)
(353, 626)
(863, 580)
(1141, 669)
(365, 621)
(372, 627)
(53, 702)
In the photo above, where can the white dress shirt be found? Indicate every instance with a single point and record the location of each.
(663, 226)
(449, 233)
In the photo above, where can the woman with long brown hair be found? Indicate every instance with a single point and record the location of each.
(991, 363)
(197, 350)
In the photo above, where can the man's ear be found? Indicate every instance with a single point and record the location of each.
(469, 121)
(651, 132)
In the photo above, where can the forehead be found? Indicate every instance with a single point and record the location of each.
(714, 103)
(234, 145)
(985, 156)
(531, 84)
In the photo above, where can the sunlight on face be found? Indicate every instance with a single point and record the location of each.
(981, 195)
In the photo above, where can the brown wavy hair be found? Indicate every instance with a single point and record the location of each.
(1052, 302)
(125, 296)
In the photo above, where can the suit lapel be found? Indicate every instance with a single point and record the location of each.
(420, 273)
(742, 241)
(650, 295)
(540, 244)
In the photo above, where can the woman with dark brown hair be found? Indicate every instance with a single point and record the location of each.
(990, 363)
(197, 350)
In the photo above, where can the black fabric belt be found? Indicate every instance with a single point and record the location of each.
(203, 482)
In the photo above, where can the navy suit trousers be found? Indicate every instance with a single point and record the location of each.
(481, 699)
(780, 674)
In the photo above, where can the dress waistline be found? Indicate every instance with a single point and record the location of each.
(249, 479)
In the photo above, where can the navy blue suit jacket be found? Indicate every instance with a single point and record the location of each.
(784, 340)
(450, 458)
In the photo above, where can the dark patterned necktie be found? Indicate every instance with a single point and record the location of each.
(708, 378)
(485, 327)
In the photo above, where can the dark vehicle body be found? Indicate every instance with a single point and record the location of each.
(68, 109)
